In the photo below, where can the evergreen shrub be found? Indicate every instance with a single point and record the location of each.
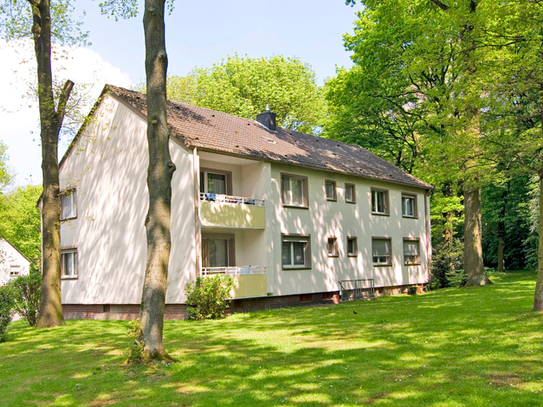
(26, 295)
(207, 297)
(6, 305)
(447, 265)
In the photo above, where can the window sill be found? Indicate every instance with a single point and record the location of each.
(351, 202)
(72, 218)
(296, 268)
(409, 217)
(331, 199)
(69, 277)
(380, 214)
(295, 206)
(352, 255)
(382, 265)
(411, 264)
(333, 256)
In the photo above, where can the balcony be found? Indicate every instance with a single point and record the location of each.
(232, 211)
(249, 281)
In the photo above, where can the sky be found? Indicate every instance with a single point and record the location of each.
(198, 34)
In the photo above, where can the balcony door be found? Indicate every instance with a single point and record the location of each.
(215, 182)
(218, 250)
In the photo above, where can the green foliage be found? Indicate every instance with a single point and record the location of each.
(6, 305)
(243, 86)
(20, 220)
(27, 294)
(206, 297)
(137, 342)
(447, 268)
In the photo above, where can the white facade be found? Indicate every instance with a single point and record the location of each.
(12, 262)
(106, 243)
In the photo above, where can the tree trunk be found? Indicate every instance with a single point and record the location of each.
(501, 244)
(50, 312)
(538, 299)
(159, 178)
(473, 249)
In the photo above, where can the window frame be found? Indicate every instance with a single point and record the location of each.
(305, 200)
(72, 192)
(204, 171)
(353, 198)
(406, 195)
(389, 242)
(231, 242)
(334, 190)
(332, 246)
(354, 253)
(15, 270)
(417, 261)
(386, 194)
(296, 238)
(75, 254)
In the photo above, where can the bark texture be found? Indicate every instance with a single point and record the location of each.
(538, 299)
(473, 248)
(51, 117)
(501, 247)
(159, 178)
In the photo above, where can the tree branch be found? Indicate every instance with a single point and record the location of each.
(441, 5)
(63, 100)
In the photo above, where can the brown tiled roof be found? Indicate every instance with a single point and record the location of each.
(221, 132)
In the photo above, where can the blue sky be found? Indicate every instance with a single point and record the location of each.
(198, 33)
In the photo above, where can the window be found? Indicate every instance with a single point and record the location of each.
(296, 252)
(218, 250)
(381, 252)
(68, 263)
(379, 202)
(215, 182)
(352, 246)
(332, 247)
(294, 190)
(330, 187)
(350, 196)
(411, 252)
(68, 204)
(14, 271)
(409, 206)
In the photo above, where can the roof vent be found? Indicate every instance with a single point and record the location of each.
(267, 119)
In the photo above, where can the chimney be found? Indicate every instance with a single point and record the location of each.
(267, 119)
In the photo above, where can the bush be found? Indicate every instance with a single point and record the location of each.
(447, 265)
(206, 297)
(26, 295)
(6, 304)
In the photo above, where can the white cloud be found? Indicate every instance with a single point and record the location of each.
(19, 111)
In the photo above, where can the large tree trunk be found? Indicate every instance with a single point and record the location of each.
(50, 312)
(159, 178)
(538, 300)
(473, 248)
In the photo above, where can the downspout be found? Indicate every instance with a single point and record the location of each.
(428, 233)
(197, 232)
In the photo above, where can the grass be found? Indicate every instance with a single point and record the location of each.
(454, 347)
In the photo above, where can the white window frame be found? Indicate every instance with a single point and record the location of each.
(333, 184)
(353, 253)
(15, 270)
(407, 197)
(353, 196)
(206, 172)
(375, 194)
(332, 246)
(72, 255)
(377, 260)
(411, 259)
(291, 239)
(286, 190)
(68, 204)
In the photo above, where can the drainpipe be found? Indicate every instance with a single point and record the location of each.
(197, 232)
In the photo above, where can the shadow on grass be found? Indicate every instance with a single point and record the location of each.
(467, 347)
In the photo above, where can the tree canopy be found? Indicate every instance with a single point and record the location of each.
(244, 86)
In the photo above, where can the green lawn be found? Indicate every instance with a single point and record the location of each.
(454, 347)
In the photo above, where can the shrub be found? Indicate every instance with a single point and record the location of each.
(26, 295)
(447, 265)
(206, 297)
(6, 304)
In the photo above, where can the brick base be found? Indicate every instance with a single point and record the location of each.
(179, 311)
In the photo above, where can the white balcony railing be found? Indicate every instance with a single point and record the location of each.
(231, 199)
(233, 271)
